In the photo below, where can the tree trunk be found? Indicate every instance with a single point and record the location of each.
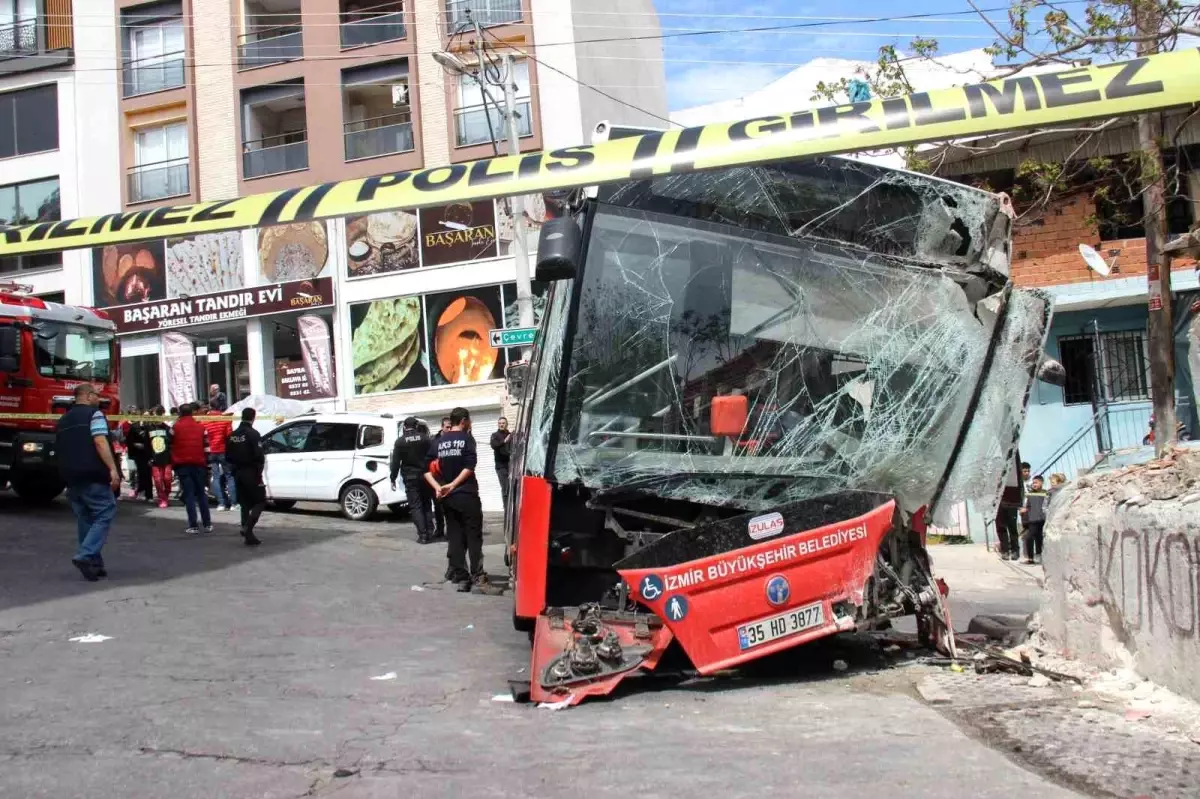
(1158, 270)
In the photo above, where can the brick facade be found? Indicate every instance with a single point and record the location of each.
(1046, 251)
(216, 116)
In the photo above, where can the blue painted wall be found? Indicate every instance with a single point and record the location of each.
(1050, 423)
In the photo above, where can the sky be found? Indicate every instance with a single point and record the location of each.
(705, 69)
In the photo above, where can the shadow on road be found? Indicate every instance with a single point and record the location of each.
(147, 545)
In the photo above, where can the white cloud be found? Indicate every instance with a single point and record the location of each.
(710, 84)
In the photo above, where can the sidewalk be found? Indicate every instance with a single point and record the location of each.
(981, 583)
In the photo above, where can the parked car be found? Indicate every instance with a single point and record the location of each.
(333, 457)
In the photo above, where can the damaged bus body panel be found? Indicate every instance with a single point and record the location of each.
(752, 390)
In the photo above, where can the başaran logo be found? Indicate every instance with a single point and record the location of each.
(765, 526)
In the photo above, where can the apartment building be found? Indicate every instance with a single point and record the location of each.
(221, 98)
(58, 119)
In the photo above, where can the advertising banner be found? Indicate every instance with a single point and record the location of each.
(222, 306)
(179, 369)
(316, 349)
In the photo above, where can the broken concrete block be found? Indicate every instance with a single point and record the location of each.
(933, 693)
(1039, 681)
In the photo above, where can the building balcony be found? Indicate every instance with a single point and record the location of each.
(270, 46)
(471, 124)
(274, 155)
(379, 23)
(154, 74)
(38, 42)
(146, 182)
(384, 135)
(485, 12)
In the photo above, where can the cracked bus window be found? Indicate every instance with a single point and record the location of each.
(857, 367)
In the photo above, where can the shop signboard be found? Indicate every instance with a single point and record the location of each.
(298, 295)
(293, 381)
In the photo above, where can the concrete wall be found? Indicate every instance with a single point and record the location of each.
(626, 67)
(1123, 578)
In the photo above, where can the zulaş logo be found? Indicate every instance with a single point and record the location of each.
(765, 526)
(778, 590)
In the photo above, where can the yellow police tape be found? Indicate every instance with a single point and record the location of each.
(1102, 90)
(122, 417)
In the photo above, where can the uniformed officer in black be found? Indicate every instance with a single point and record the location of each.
(244, 454)
(409, 461)
(452, 476)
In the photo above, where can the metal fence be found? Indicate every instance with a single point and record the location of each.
(380, 23)
(261, 157)
(472, 123)
(153, 74)
(19, 38)
(384, 135)
(270, 46)
(485, 12)
(1112, 427)
(158, 181)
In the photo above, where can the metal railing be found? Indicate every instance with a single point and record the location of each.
(158, 181)
(383, 135)
(270, 46)
(471, 123)
(260, 157)
(153, 74)
(485, 12)
(19, 38)
(380, 23)
(1110, 428)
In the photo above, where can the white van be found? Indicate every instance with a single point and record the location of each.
(333, 457)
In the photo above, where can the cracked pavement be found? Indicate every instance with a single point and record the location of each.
(237, 672)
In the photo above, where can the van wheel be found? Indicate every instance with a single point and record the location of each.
(283, 504)
(358, 502)
(37, 492)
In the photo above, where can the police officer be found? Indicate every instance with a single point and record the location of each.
(409, 460)
(244, 457)
(439, 515)
(452, 477)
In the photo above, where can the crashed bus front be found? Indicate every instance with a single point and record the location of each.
(751, 391)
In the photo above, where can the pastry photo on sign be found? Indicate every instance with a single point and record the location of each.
(379, 243)
(458, 323)
(125, 274)
(204, 264)
(458, 232)
(297, 251)
(385, 345)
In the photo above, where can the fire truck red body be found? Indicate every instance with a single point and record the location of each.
(46, 350)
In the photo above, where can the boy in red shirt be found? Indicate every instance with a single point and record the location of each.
(220, 475)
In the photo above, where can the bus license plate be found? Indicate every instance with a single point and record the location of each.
(763, 631)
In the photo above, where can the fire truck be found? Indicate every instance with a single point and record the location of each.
(46, 350)
(752, 392)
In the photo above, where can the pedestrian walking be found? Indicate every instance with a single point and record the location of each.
(137, 447)
(223, 485)
(501, 452)
(409, 461)
(1034, 514)
(244, 454)
(452, 476)
(83, 444)
(439, 514)
(161, 473)
(189, 457)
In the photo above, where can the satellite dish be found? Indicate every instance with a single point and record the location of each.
(1094, 260)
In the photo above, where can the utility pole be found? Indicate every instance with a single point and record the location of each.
(520, 244)
(1158, 270)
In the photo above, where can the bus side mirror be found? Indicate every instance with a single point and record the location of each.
(729, 415)
(559, 244)
(9, 352)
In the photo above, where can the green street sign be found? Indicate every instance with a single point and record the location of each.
(512, 336)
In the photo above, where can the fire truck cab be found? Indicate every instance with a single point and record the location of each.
(46, 350)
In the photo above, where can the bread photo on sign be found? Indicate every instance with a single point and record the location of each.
(295, 251)
(384, 242)
(130, 273)
(205, 264)
(386, 344)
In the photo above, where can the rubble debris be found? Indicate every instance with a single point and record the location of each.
(90, 638)
(1137, 715)
(840, 665)
(933, 693)
(1039, 681)
(342, 773)
(391, 675)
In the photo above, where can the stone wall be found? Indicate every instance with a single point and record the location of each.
(1122, 559)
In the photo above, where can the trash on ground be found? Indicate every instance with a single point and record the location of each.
(391, 675)
(91, 638)
(840, 665)
(1137, 715)
(559, 705)
(342, 773)
(417, 588)
(503, 698)
(1039, 681)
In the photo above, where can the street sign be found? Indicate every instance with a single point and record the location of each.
(512, 336)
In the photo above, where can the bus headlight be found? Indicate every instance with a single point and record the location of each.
(32, 446)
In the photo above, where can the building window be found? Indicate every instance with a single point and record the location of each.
(460, 13)
(272, 33)
(29, 121)
(154, 49)
(479, 117)
(376, 110)
(274, 129)
(364, 22)
(160, 156)
(1105, 367)
(27, 204)
(18, 27)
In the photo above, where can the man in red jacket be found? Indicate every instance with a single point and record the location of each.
(189, 455)
(220, 474)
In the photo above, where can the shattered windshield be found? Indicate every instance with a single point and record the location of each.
(857, 367)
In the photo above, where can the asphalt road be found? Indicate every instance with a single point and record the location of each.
(237, 672)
